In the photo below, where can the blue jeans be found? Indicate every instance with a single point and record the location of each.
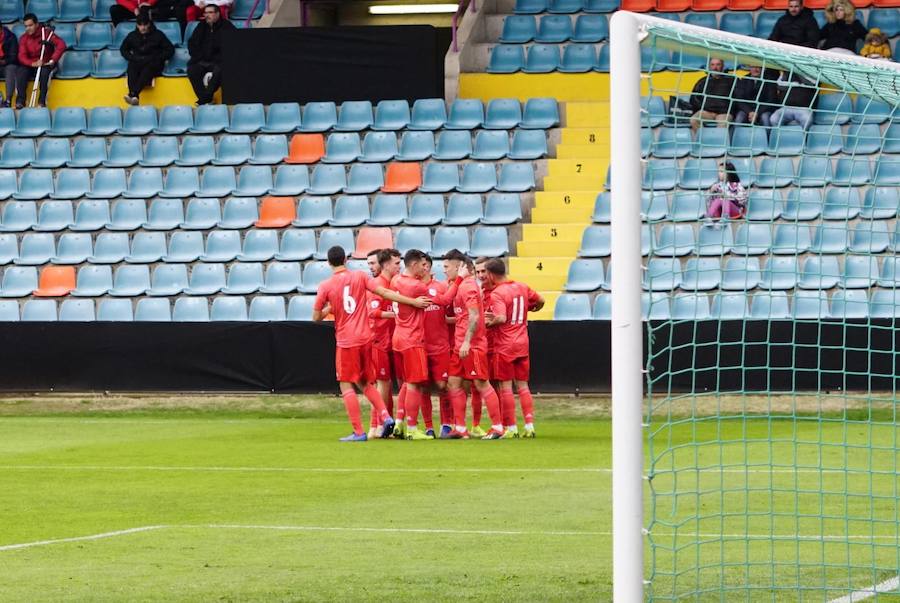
(763, 119)
(787, 116)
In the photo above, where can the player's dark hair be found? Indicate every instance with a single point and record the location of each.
(481, 259)
(429, 260)
(456, 254)
(414, 255)
(386, 255)
(30, 17)
(374, 252)
(495, 266)
(215, 6)
(336, 255)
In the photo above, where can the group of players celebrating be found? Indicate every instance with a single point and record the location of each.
(464, 336)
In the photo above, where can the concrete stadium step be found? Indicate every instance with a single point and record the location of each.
(551, 232)
(598, 135)
(582, 151)
(561, 215)
(569, 184)
(537, 249)
(587, 114)
(576, 167)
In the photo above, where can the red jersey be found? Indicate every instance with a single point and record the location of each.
(437, 340)
(512, 300)
(409, 326)
(469, 296)
(486, 297)
(346, 291)
(382, 328)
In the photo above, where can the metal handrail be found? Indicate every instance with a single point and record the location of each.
(253, 10)
(461, 10)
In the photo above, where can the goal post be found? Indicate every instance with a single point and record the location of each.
(756, 442)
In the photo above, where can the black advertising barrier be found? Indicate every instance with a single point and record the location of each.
(305, 64)
(566, 357)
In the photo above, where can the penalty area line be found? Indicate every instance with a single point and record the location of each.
(101, 536)
(888, 586)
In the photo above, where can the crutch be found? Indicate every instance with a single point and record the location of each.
(37, 77)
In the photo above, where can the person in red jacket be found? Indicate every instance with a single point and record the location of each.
(126, 10)
(38, 47)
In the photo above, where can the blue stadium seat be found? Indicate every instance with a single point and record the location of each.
(364, 179)
(244, 278)
(428, 114)
(590, 29)
(93, 36)
(282, 118)
(17, 153)
(690, 306)
(698, 174)
(674, 240)
(834, 108)
(222, 246)
(313, 274)
(206, 279)
(515, 177)
(860, 272)
(127, 214)
(342, 148)
(852, 171)
(830, 238)
(747, 141)
(326, 180)
(880, 203)
(121, 32)
(660, 174)
(300, 308)
(35, 184)
(391, 115)
(518, 29)
(110, 64)
(786, 141)
(861, 139)
(109, 183)
(72, 183)
(235, 149)
(190, 310)
(701, 274)
(687, 207)
(247, 118)
(585, 275)
(791, 239)
(595, 242)
(330, 237)
(350, 210)
(118, 310)
(775, 172)
(168, 279)
(885, 19)
(413, 237)
(196, 151)
(490, 145)
(823, 140)
(477, 178)
(841, 204)
(803, 204)
(578, 58)
(177, 65)
(88, 153)
(68, 121)
(19, 281)
(565, 6)
(740, 274)
(281, 277)
(506, 58)
(259, 246)
(463, 210)
(139, 121)
(891, 139)
(93, 281)
(233, 309)
(388, 210)
(752, 239)
(530, 7)
(729, 306)
(9, 248)
(819, 272)
(65, 31)
(174, 120)
(267, 309)
(380, 147)
(502, 209)
(8, 183)
(201, 214)
(850, 303)
(764, 205)
(52, 153)
(416, 146)
(554, 29)
(354, 116)
(770, 306)
(254, 181)
(672, 142)
(870, 111)
(447, 238)
(7, 121)
(130, 281)
(144, 183)
(147, 248)
(184, 247)
(810, 305)
(44, 10)
(180, 182)
(542, 58)
(503, 114)
(425, 210)
(869, 237)
(884, 304)
(297, 245)
(103, 121)
(662, 274)
(164, 214)
(247, 9)
(765, 23)
(528, 144)
(18, 216)
(572, 306)
(653, 111)
(440, 177)
(161, 151)
(465, 114)
(154, 310)
(601, 6)
(710, 142)
(740, 23)
(313, 212)
(55, 216)
(91, 215)
(269, 149)
(238, 213)
(779, 273)
(110, 248)
(40, 310)
(814, 171)
(453, 145)
(887, 171)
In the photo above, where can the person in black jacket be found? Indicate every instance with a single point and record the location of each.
(842, 30)
(9, 45)
(711, 97)
(205, 47)
(797, 97)
(796, 26)
(146, 49)
(753, 91)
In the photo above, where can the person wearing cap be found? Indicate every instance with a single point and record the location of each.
(146, 49)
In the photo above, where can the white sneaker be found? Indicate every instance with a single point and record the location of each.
(371, 433)
(207, 78)
(379, 431)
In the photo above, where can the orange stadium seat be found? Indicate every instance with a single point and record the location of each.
(276, 212)
(402, 177)
(862, 3)
(744, 4)
(883, 3)
(704, 5)
(372, 238)
(815, 4)
(306, 148)
(777, 4)
(56, 281)
(673, 6)
(638, 6)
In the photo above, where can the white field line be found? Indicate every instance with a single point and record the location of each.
(888, 586)
(436, 531)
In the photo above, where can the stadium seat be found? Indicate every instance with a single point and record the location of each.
(752, 239)
(698, 174)
(530, 6)
(814, 171)
(11, 11)
(388, 210)
(355, 116)
(590, 29)
(217, 181)
(222, 246)
(810, 305)
(674, 240)
(380, 147)
(823, 140)
(7, 121)
(453, 145)
(740, 274)
(73, 248)
(201, 214)
(269, 149)
(247, 277)
(342, 148)
(490, 145)
(565, 6)
(852, 171)
(296, 245)
(391, 115)
(281, 277)
(765, 20)
(595, 242)
(318, 117)
(232, 309)
(870, 111)
(404, 177)
(775, 172)
(93, 36)
(425, 210)
(518, 29)
(19, 281)
(281, 118)
(662, 274)
(786, 141)
(110, 248)
(880, 203)
(447, 238)
(18, 216)
(370, 238)
(147, 248)
(710, 142)
(130, 281)
(413, 237)
(91, 215)
(71, 183)
(110, 183)
(861, 139)
(9, 248)
(690, 306)
(313, 274)
(306, 148)
(17, 153)
(891, 139)
(860, 272)
(147, 182)
(177, 65)
(327, 180)
(764, 205)
(885, 304)
(185, 247)
(869, 237)
(729, 306)
(52, 153)
(334, 236)
(118, 310)
(737, 23)
(88, 153)
(502, 209)
(770, 306)
(139, 121)
(572, 306)
(490, 241)
(790, 239)
(578, 58)
(477, 178)
(803, 204)
(123, 152)
(164, 214)
(248, 118)
(311, 212)
(127, 214)
(349, 210)
(155, 310)
(175, 120)
(503, 114)
(553, 29)
(235, 149)
(267, 309)
(415, 146)
(833, 109)
(190, 310)
(819, 272)
(109, 64)
(841, 204)
(850, 303)
(68, 121)
(54, 216)
(779, 273)
(585, 275)
(300, 308)
(701, 274)
(168, 279)
(75, 65)
(506, 58)
(830, 238)
(653, 111)
(887, 171)
(211, 119)
(672, 142)
(687, 207)
(672, 6)
(601, 6)
(93, 281)
(515, 178)
(465, 114)
(120, 32)
(885, 19)
(40, 310)
(660, 174)
(428, 114)
(35, 184)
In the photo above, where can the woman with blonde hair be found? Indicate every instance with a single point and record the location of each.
(842, 30)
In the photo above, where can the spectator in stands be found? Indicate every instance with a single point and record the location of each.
(195, 9)
(842, 30)
(205, 47)
(40, 48)
(9, 51)
(146, 49)
(877, 45)
(711, 96)
(126, 10)
(166, 10)
(797, 98)
(796, 26)
(752, 93)
(727, 197)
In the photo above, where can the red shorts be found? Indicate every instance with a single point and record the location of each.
(490, 359)
(382, 361)
(354, 365)
(509, 369)
(415, 365)
(439, 366)
(473, 366)
(397, 364)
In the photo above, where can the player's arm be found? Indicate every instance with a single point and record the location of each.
(418, 302)
(470, 331)
(321, 307)
(535, 300)
(497, 315)
(446, 298)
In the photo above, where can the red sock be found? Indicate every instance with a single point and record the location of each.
(476, 406)
(374, 396)
(351, 403)
(401, 402)
(389, 401)
(427, 410)
(373, 418)
(508, 406)
(458, 401)
(446, 409)
(413, 402)
(493, 404)
(527, 403)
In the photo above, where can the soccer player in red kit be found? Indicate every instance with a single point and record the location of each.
(409, 334)
(510, 303)
(384, 265)
(468, 361)
(481, 276)
(344, 294)
(437, 348)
